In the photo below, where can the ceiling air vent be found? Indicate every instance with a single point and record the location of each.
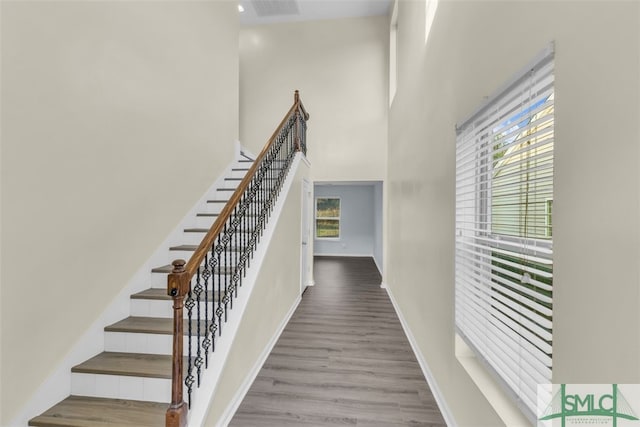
(275, 7)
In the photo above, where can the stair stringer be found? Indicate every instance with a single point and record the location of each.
(57, 386)
(211, 376)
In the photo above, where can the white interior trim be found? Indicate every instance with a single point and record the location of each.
(231, 409)
(375, 260)
(433, 385)
(347, 255)
(501, 402)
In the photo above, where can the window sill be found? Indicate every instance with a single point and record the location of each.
(506, 409)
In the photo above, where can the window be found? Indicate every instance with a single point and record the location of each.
(430, 8)
(504, 247)
(393, 53)
(327, 218)
(549, 212)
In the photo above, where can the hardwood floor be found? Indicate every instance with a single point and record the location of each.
(343, 359)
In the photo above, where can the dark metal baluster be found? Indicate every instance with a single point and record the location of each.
(206, 343)
(219, 310)
(236, 242)
(213, 327)
(245, 235)
(232, 240)
(225, 298)
(198, 292)
(189, 379)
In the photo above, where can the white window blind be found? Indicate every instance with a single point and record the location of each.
(504, 247)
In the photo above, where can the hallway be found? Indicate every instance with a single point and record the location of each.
(343, 359)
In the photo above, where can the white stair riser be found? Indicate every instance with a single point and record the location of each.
(121, 387)
(204, 221)
(186, 255)
(223, 194)
(151, 308)
(215, 208)
(231, 183)
(158, 308)
(130, 342)
(192, 238)
(159, 280)
(238, 174)
(173, 255)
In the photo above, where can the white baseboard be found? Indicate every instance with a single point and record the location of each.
(379, 267)
(347, 255)
(231, 409)
(433, 385)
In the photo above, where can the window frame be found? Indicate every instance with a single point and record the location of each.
(548, 217)
(316, 218)
(393, 53)
(430, 9)
(504, 279)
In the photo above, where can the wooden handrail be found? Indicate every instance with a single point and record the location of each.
(196, 259)
(178, 282)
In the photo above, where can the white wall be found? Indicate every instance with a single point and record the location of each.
(473, 47)
(340, 68)
(275, 292)
(357, 220)
(116, 117)
(378, 225)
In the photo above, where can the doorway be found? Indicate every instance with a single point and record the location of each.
(306, 251)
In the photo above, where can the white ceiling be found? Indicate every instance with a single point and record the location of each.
(257, 12)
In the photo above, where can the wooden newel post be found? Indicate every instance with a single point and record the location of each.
(177, 288)
(296, 127)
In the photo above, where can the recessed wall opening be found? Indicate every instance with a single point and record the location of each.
(347, 219)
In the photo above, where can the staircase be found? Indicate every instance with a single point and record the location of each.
(129, 384)
(161, 364)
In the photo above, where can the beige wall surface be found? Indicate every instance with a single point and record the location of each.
(473, 48)
(116, 117)
(274, 293)
(340, 68)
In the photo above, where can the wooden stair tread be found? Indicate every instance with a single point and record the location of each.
(196, 230)
(217, 201)
(161, 294)
(81, 411)
(169, 268)
(240, 179)
(184, 247)
(194, 247)
(163, 269)
(207, 214)
(150, 325)
(152, 293)
(127, 364)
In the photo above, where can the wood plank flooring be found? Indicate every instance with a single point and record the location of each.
(343, 359)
